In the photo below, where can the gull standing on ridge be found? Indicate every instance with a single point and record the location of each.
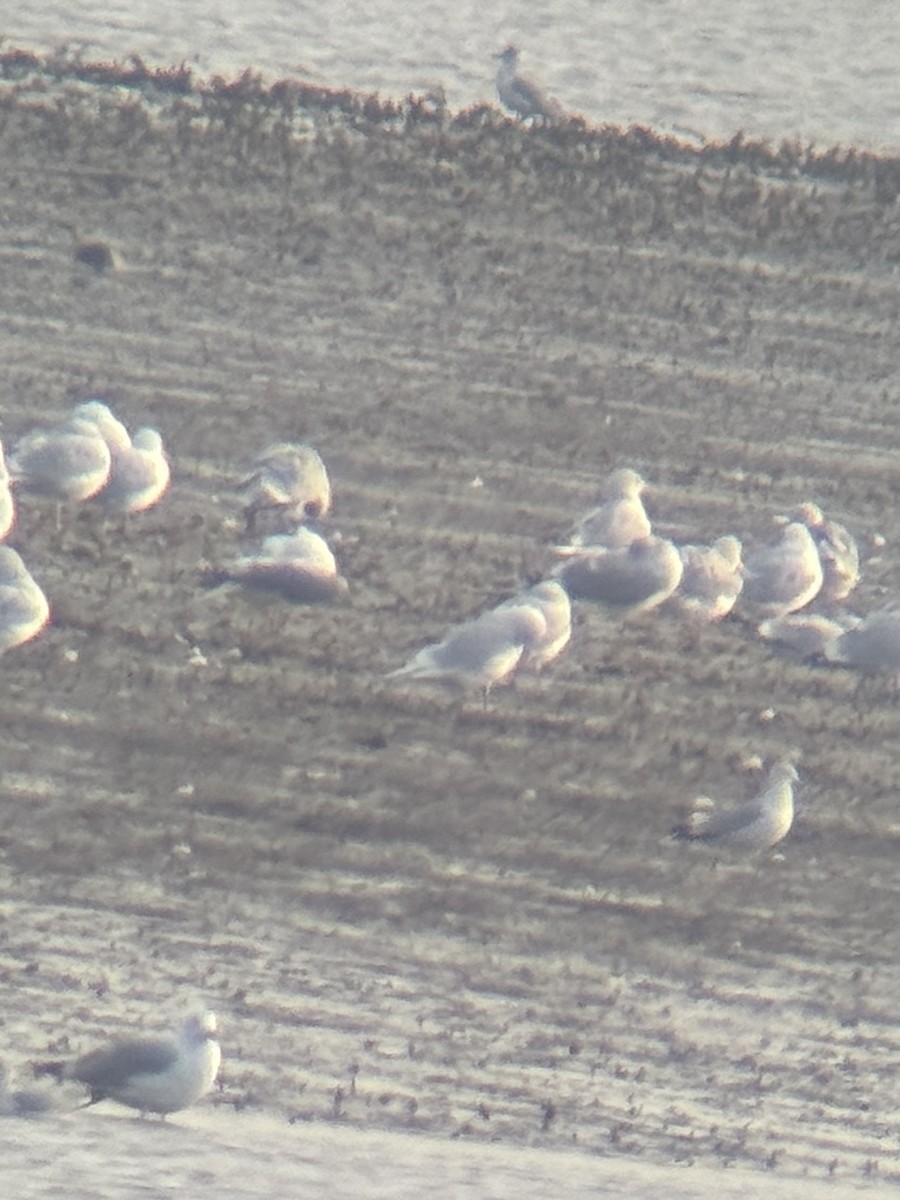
(289, 478)
(152, 1074)
(68, 462)
(782, 578)
(482, 652)
(523, 96)
(139, 470)
(299, 566)
(757, 825)
(7, 502)
(837, 548)
(620, 520)
(551, 599)
(637, 578)
(24, 610)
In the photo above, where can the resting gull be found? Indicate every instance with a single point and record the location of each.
(24, 610)
(757, 825)
(153, 1074)
(620, 520)
(299, 566)
(712, 579)
(837, 548)
(139, 470)
(68, 462)
(809, 635)
(481, 652)
(523, 96)
(784, 577)
(7, 502)
(637, 578)
(289, 478)
(551, 599)
(872, 645)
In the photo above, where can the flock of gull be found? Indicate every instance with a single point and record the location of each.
(613, 560)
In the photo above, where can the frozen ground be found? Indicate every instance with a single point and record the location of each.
(414, 916)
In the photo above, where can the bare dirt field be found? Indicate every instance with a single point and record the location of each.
(413, 915)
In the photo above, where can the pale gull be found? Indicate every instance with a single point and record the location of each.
(480, 653)
(784, 577)
(289, 478)
(712, 580)
(7, 502)
(837, 548)
(68, 462)
(22, 1102)
(522, 96)
(620, 520)
(757, 825)
(152, 1074)
(872, 645)
(24, 610)
(552, 601)
(299, 566)
(637, 578)
(139, 470)
(809, 635)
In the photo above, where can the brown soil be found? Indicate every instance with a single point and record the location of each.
(412, 914)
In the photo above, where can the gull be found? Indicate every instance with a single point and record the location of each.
(637, 578)
(712, 579)
(620, 520)
(139, 470)
(522, 96)
(25, 1102)
(551, 599)
(782, 578)
(68, 462)
(299, 566)
(7, 501)
(24, 610)
(152, 1074)
(290, 478)
(757, 825)
(871, 645)
(481, 652)
(810, 635)
(837, 548)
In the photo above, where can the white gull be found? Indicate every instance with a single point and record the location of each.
(551, 599)
(637, 578)
(757, 825)
(712, 580)
(139, 469)
(290, 478)
(299, 566)
(68, 462)
(24, 610)
(784, 577)
(616, 523)
(7, 501)
(152, 1074)
(481, 652)
(837, 548)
